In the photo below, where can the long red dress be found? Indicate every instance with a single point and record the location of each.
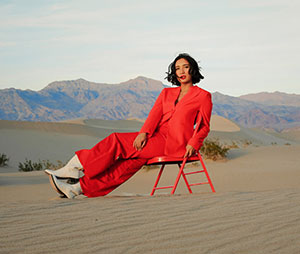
(170, 127)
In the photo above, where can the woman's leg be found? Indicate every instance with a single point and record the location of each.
(114, 147)
(111, 162)
(106, 152)
(111, 178)
(122, 169)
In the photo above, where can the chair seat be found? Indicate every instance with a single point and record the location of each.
(170, 160)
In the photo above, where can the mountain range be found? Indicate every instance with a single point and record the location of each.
(63, 100)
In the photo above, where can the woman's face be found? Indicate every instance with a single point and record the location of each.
(182, 68)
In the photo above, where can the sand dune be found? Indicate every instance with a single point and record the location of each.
(219, 123)
(256, 207)
(54, 141)
(130, 125)
(91, 127)
(292, 135)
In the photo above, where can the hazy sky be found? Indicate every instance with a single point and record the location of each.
(243, 46)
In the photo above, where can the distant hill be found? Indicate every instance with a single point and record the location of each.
(276, 98)
(133, 99)
(63, 100)
(253, 114)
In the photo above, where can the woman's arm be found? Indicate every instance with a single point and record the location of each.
(154, 116)
(150, 124)
(205, 113)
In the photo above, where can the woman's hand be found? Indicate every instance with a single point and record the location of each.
(189, 151)
(140, 141)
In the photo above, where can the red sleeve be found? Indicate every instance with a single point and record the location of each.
(205, 113)
(154, 116)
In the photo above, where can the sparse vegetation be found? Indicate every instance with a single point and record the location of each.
(247, 142)
(3, 160)
(195, 164)
(28, 165)
(214, 150)
(149, 167)
(287, 144)
(49, 165)
(233, 145)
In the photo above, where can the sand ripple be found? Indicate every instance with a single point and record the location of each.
(233, 222)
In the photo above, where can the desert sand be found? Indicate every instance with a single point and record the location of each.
(256, 207)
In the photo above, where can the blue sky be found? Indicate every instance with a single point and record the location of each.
(243, 46)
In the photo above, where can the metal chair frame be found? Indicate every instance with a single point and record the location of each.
(163, 160)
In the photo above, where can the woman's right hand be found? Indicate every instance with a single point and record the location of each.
(140, 141)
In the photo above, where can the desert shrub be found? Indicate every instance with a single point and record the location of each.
(149, 167)
(194, 164)
(233, 145)
(212, 149)
(28, 165)
(247, 142)
(3, 160)
(49, 165)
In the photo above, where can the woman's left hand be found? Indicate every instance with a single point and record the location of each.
(140, 141)
(189, 151)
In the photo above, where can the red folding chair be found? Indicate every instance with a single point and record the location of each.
(181, 162)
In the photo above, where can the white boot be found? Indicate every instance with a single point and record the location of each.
(69, 190)
(73, 169)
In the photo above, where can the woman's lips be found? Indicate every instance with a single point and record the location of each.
(182, 77)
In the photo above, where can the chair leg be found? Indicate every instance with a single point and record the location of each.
(185, 179)
(179, 175)
(157, 179)
(206, 173)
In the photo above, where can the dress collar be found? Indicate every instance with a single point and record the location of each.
(178, 89)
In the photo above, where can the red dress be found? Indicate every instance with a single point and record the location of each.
(170, 128)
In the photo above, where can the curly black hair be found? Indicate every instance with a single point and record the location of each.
(194, 70)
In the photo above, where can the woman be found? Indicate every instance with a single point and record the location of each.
(168, 130)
